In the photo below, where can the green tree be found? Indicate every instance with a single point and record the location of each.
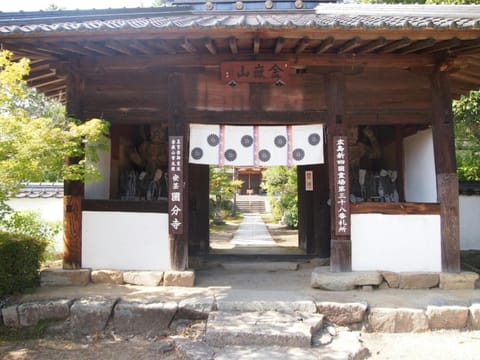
(158, 3)
(36, 136)
(467, 135)
(223, 186)
(280, 183)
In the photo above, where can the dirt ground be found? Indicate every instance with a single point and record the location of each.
(440, 345)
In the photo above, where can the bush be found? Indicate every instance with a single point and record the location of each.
(30, 223)
(20, 259)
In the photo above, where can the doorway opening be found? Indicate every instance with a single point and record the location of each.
(255, 211)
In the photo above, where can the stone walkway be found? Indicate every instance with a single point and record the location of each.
(252, 232)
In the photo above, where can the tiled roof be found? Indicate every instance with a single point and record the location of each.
(41, 190)
(338, 16)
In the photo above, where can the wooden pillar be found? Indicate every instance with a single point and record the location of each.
(198, 205)
(445, 166)
(177, 127)
(341, 247)
(73, 190)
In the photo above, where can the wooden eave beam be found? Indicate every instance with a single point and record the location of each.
(279, 43)
(73, 48)
(467, 77)
(468, 45)
(372, 46)
(395, 45)
(302, 45)
(210, 45)
(232, 43)
(349, 45)
(122, 63)
(188, 46)
(417, 46)
(53, 88)
(256, 45)
(324, 45)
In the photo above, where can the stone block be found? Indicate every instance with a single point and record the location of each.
(179, 278)
(399, 320)
(475, 316)
(90, 315)
(268, 328)
(62, 277)
(195, 307)
(447, 317)
(143, 278)
(138, 318)
(10, 316)
(342, 313)
(463, 280)
(391, 278)
(193, 350)
(29, 314)
(327, 280)
(304, 306)
(107, 277)
(418, 280)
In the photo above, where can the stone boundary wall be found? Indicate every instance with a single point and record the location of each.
(323, 279)
(81, 277)
(91, 315)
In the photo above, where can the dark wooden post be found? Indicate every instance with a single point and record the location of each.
(177, 127)
(73, 190)
(445, 166)
(341, 247)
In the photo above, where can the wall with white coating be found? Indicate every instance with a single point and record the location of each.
(420, 178)
(396, 242)
(469, 222)
(100, 190)
(125, 241)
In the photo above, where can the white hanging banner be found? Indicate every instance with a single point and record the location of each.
(204, 144)
(272, 148)
(238, 145)
(307, 144)
(256, 145)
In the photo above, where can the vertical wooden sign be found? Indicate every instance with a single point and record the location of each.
(341, 202)
(175, 185)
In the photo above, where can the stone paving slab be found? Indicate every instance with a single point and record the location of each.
(262, 328)
(345, 346)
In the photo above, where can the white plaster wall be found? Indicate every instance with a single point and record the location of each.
(100, 190)
(420, 178)
(395, 242)
(469, 222)
(125, 241)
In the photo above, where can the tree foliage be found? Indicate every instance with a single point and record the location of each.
(467, 135)
(36, 135)
(280, 183)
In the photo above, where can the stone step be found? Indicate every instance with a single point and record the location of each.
(269, 328)
(255, 266)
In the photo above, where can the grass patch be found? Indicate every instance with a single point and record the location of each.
(26, 333)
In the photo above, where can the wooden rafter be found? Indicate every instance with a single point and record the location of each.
(372, 46)
(99, 49)
(442, 46)
(395, 45)
(188, 46)
(279, 45)
(163, 46)
(232, 43)
(417, 46)
(137, 45)
(210, 45)
(349, 45)
(256, 45)
(302, 45)
(39, 75)
(117, 46)
(325, 45)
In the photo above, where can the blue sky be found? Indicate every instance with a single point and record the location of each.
(34, 5)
